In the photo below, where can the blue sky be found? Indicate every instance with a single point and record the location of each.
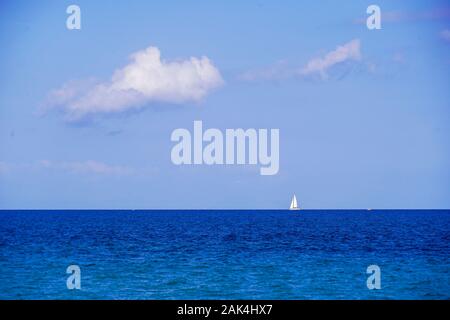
(368, 131)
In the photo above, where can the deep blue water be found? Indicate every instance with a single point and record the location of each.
(225, 254)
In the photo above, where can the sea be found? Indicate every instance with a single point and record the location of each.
(225, 254)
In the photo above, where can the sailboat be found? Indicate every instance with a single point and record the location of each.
(294, 205)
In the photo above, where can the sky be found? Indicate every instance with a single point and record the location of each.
(86, 115)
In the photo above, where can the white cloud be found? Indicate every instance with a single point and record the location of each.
(320, 65)
(345, 52)
(445, 35)
(147, 78)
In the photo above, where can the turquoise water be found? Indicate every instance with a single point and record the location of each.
(225, 254)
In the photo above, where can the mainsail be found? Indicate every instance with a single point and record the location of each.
(294, 205)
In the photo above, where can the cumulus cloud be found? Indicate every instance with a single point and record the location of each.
(345, 52)
(316, 66)
(445, 35)
(146, 79)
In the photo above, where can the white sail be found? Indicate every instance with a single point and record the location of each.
(294, 205)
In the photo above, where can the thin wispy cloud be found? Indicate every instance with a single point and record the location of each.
(445, 35)
(321, 65)
(88, 167)
(146, 79)
(399, 57)
(4, 167)
(278, 71)
(10, 167)
(316, 66)
(442, 13)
